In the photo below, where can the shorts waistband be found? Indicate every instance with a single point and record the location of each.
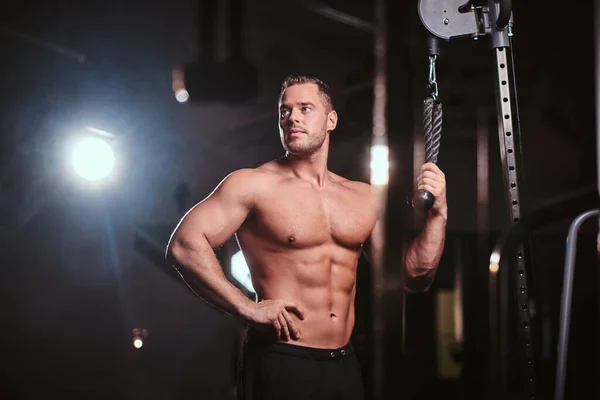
(294, 350)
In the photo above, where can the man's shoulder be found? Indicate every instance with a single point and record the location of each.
(244, 174)
(251, 177)
(272, 167)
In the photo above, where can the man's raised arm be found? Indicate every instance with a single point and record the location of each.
(207, 226)
(422, 256)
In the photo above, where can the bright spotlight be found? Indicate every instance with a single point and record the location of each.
(494, 268)
(182, 95)
(138, 343)
(138, 337)
(494, 262)
(380, 165)
(93, 159)
(240, 271)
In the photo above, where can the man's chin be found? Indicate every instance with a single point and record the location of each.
(299, 151)
(301, 148)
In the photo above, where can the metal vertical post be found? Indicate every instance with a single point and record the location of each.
(597, 75)
(379, 180)
(501, 44)
(597, 95)
(565, 303)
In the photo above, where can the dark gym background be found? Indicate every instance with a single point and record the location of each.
(81, 265)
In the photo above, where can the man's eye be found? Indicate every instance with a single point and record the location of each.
(306, 109)
(282, 113)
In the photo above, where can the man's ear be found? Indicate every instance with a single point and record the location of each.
(332, 119)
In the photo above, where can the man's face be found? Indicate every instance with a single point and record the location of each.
(304, 121)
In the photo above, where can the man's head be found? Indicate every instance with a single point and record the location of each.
(306, 114)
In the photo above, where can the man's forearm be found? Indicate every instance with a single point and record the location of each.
(202, 272)
(423, 255)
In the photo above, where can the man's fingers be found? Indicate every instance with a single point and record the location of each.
(431, 175)
(293, 307)
(285, 333)
(277, 327)
(431, 182)
(290, 323)
(431, 167)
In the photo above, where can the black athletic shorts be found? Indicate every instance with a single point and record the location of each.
(274, 370)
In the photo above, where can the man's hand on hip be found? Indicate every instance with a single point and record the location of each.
(274, 316)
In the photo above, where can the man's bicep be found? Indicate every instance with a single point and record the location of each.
(220, 215)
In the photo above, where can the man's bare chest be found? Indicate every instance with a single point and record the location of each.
(307, 217)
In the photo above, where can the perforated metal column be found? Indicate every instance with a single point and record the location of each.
(511, 184)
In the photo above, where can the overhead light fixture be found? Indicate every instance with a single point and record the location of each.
(221, 73)
(179, 89)
(138, 337)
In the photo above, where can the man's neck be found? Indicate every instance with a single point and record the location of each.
(312, 167)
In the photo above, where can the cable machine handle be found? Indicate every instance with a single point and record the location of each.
(423, 200)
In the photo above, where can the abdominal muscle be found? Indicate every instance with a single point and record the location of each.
(322, 288)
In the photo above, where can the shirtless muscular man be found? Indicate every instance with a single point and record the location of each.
(302, 229)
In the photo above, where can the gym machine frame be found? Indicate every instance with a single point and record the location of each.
(452, 19)
(563, 209)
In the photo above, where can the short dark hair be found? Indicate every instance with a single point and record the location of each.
(324, 89)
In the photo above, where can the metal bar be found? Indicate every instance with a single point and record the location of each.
(597, 76)
(565, 302)
(597, 36)
(379, 149)
(511, 182)
(567, 205)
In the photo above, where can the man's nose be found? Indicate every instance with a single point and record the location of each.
(294, 116)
